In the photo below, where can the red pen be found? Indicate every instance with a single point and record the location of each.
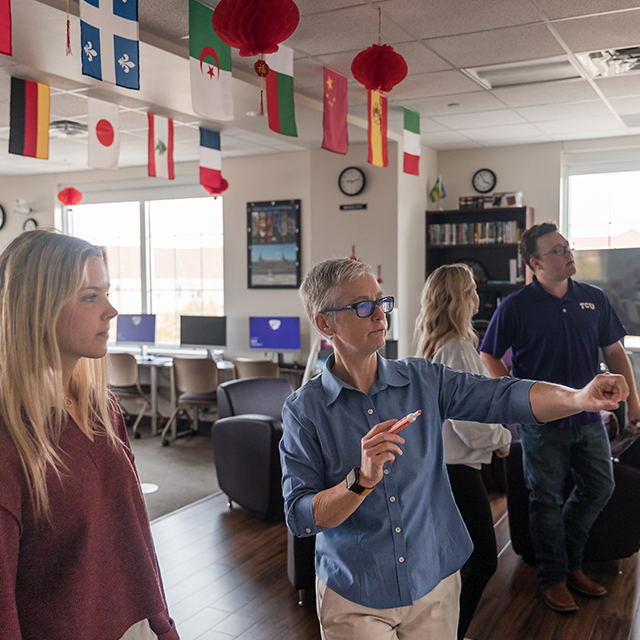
(407, 420)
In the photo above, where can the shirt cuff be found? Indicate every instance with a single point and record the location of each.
(304, 516)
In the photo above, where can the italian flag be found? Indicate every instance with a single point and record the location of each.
(411, 142)
(160, 147)
(210, 66)
(377, 110)
(280, 107)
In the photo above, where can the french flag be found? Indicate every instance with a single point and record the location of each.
(210, 159)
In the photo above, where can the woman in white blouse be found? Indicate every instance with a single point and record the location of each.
(445, 334)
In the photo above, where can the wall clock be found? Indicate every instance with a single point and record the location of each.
(3, 217)
(484, 180)
(351, 181)
(29, 224)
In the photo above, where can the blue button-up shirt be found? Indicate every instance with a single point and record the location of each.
(407, 535)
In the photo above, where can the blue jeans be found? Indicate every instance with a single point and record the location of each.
(559, 528)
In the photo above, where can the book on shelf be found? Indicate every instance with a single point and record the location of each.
(459, 233)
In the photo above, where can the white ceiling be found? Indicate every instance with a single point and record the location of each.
(437, 38)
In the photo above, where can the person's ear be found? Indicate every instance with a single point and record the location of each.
(322, 325)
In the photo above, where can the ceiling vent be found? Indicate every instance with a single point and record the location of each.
(611, 62)
(524, 73)
(67, 129)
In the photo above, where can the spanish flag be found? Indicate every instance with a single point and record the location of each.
(377, 104)
(29, 132)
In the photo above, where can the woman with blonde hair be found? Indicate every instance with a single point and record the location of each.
(445, 334)
(76, 554)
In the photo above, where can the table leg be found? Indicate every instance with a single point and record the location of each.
(154, 400)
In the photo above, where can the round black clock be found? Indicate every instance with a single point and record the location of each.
(484, 180)
(351, 181)
(29, 224)
(3, 217)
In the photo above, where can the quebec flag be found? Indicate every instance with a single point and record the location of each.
(109, 37)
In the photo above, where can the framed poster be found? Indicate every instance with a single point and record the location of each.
(273, 244)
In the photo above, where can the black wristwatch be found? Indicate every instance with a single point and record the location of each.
(353, 483)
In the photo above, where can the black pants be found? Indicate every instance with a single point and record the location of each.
(473, 503)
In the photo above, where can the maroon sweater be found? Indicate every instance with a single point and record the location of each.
(89, 571)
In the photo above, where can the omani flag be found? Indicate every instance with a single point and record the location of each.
(282, 116)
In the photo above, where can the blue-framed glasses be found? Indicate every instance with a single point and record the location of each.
(366, 308)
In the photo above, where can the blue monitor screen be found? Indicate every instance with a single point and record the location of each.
(140, 328)
(271, 333)
(203, 331)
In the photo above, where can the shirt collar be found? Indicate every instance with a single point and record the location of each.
(540, 290)
(389, 375)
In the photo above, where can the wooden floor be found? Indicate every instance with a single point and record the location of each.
(225, 577)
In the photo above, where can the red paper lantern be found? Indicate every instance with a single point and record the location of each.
(255, 26)
(379, 68)
(224, 185)
(69, 196)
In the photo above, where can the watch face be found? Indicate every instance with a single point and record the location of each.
(484, 180)
(29, 224)
(351, 181)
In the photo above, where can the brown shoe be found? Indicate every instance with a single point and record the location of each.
(578, 581)
(559, 598)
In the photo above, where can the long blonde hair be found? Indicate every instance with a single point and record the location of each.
(40, 272)
(446, 312)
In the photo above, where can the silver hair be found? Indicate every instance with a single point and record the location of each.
(320, 288)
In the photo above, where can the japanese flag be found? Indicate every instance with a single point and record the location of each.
(104, 134)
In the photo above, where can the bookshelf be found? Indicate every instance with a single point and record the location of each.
(487, 240)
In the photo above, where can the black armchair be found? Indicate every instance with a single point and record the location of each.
(245, 442)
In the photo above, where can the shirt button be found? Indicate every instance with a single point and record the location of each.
(308, 530)
(370, 411)
(386, 472)
(392, 499)
(564, 311)
(400, 559)
(398, 529)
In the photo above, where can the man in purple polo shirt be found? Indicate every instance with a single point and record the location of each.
(555, 326)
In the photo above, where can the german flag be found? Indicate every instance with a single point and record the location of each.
(29, 132)
(377, 108)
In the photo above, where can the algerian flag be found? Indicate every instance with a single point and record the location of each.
(280, 106)
(210, 64)
(411, 142)
(160, 147)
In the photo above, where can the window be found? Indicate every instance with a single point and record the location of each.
(165, 256)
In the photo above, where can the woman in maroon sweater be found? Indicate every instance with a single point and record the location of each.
(76, 557)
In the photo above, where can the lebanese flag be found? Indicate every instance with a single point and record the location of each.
(5, 27)
(334, 116)
(280, 105)
(411, 142)
(160, 147)
(377, 131)
(210, 159)
(104, 134)
(29, 127)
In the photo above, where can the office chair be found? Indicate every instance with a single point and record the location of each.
(250, 368)
(196, 380)
(124, 383)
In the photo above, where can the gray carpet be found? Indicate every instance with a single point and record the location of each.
(183, 471)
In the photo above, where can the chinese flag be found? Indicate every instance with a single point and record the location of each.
(377, 111)
(334, 120)
(5, 27)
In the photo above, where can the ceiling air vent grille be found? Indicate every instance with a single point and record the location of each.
(67, 129)
(611, 62)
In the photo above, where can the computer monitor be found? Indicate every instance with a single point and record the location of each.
(274, 333)
(136, 329)
(203, 331)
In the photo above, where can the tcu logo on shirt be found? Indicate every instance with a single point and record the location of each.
(587, 305)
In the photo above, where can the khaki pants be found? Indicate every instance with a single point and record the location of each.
(433, 617)
(140, 631)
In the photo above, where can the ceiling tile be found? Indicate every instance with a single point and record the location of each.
(584, 125)
(453, 104)
(483, 119)
(500, 45)
(313, 6)
(427, 85)
(620, 86)
(625, 106)
(553, 9)
(68, 105)
(546, 93)
(542, 113)
(501, 133)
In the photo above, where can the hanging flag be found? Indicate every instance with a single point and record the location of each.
(334, 117)
(160, 147)
(210, 64)
(377, 109)
(109, 40)
(5, 27)
(210, 159)
(104, 134)
(29, 130)
(282, 116)
(411, 142)
(437, 192)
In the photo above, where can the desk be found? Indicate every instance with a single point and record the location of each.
(154, 363)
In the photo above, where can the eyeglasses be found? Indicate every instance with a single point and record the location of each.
(366, 308)
(560, 251)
